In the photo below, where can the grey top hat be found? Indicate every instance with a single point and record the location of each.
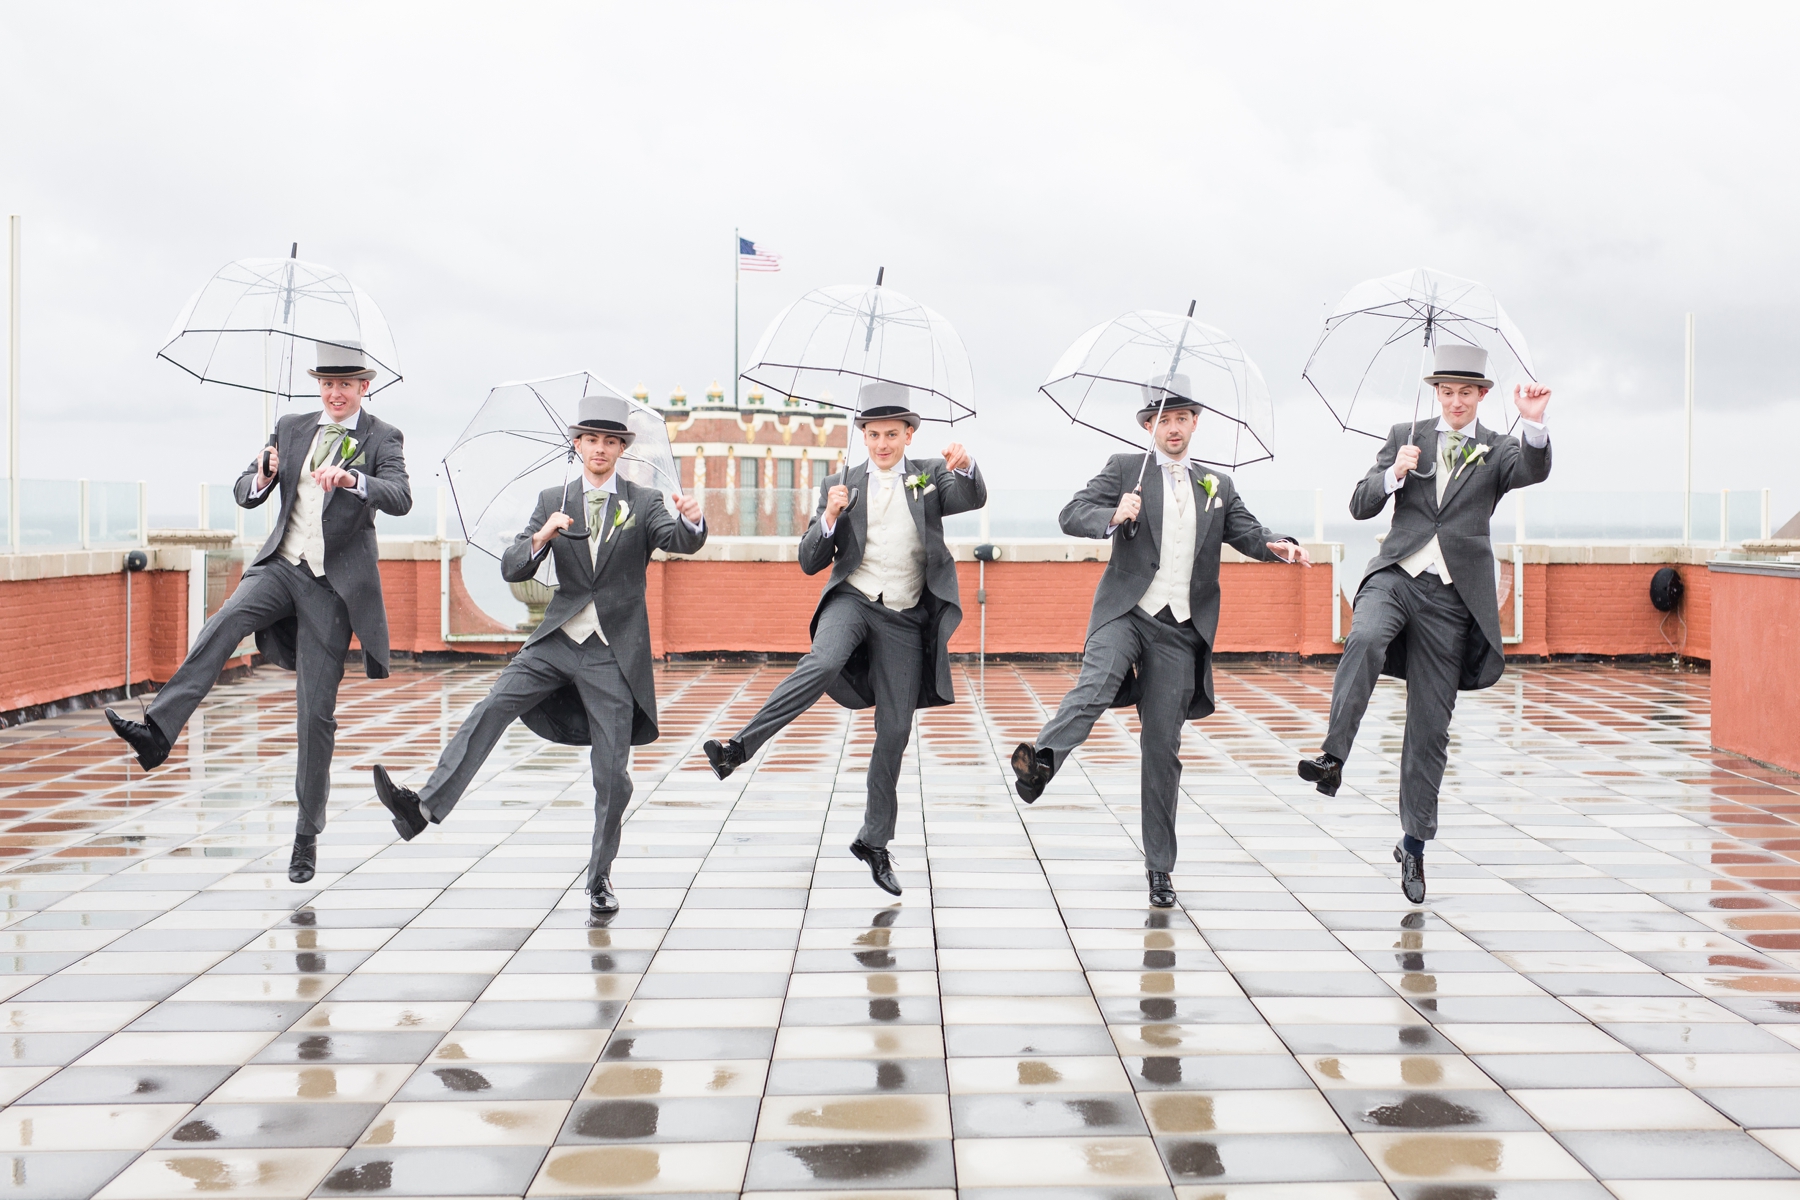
(1456, 363)
(1166, 393)
(878, 400)
(341, 362)
(607, 415)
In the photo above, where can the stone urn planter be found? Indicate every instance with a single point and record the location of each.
(535, 597)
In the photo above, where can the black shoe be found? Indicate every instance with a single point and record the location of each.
(1162, 890)
(1412, 874)
(725, 757)
(1034, 767)
(305, 857)
(402, 803)
(145, 740)
(1327, 771)
(881, 866)
(601, 899)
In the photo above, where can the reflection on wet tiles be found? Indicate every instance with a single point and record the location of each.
(238, 1125)
(1031, 1116)
(690, 1168)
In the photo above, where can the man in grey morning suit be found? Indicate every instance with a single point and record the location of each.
(583, 677)
(1156, 611)
(315, 581)
(1426, 610)
(881, 632)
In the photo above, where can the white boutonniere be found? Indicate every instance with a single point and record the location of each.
(921, 483)
(347, 451)
(1471, 454)
(619, 518)
(1210, 483)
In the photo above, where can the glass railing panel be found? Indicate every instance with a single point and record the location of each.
(113, 514)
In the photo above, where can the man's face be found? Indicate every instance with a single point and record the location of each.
(599, 453)
(1174, 430)
(342, 397)
(887, 441)
(1459, 402)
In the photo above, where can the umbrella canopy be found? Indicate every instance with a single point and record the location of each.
(824, 346)
(255, 325)
(518, 444)
(1104, 379)
(1370, 362)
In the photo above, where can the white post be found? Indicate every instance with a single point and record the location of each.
(1318, 515)
(12, 385)
(196, 616)
(443, 567)
(205, 512)
(1687, 475)
(1765, 515)
(143, 512)
(1724, 519)
(82, 514)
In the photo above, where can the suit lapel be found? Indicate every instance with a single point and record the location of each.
(1152, 511)
(1203, 513)
(575, 504)
(857, 478)
(914, 501)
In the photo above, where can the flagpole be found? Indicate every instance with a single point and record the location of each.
(737, 271)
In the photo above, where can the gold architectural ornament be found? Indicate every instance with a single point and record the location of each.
(715, 395)
(678, 398)
(641, 394)
(699, 467)
(755, 398)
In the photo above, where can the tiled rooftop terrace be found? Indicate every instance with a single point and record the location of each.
(1601, 996)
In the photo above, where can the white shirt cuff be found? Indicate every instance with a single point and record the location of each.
(1536, 435)
(257, 491)
(693, 526)
(968, 472)
(827, 526)
(1391, 482)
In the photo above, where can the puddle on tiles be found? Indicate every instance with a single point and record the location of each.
(1422, 1110)
(1429, 1156)
(847, 1161)
(462, 1079)
(886, 1114)
(619, 1119)
(375, 1176)
(609, 1167)
(1035, 1073)
(1183, 1114)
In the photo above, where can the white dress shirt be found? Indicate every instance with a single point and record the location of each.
(1169, 588)
(892, 570)
(586, 623)
(303, 541)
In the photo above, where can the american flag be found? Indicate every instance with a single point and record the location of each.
(751, 257)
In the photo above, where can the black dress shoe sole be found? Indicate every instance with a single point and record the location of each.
(1328, 782)
(1032, 780)
(1405, 886)
(717, 757)
(397, 800)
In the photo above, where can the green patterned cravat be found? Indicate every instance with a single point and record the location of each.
(1453, 448)
(328, 442)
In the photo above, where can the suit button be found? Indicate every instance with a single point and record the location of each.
(1156, 566)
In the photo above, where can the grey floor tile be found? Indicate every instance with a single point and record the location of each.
(223, 1126)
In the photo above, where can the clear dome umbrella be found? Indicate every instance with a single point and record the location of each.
(518, 444)
(1370, 362)
(254, 326)
(1106, 377)
(824, 346)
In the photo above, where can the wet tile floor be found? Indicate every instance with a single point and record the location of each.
(1602, 996)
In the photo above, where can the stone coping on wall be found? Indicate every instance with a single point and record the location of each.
(62, 564)
(1616, 553)
(1012, 550)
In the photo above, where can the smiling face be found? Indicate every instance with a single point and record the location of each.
(342, 398)
(1459, 402)
(1174, 430)
(887, 442)
(599, 454)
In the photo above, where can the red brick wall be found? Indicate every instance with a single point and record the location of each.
(1604, 608)
(65, 637)
(1756, 667)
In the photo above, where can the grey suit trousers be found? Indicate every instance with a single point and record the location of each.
(533, 674)
(1164, 656)
(896, 644)
(1436, 624)
(277, 591)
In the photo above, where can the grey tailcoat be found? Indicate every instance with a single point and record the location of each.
(1461, 526)
(947, 495)
(352, 564)
(1135, 561)
(614, 582)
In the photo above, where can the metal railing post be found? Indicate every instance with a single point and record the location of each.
(205, 509)
(1724, 518)
(82, 514)
(1337, 595)
(1764, 534)
(143, 513)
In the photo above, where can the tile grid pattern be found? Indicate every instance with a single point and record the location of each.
(1601, 998)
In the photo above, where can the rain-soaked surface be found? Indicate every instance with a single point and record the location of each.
(1601, 996)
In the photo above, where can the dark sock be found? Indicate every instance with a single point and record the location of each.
(1412, 846)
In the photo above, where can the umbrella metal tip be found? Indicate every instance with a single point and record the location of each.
(294, 252)
(880, 273)
(1191, 304)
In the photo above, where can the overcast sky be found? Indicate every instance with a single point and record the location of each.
(528, 189)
